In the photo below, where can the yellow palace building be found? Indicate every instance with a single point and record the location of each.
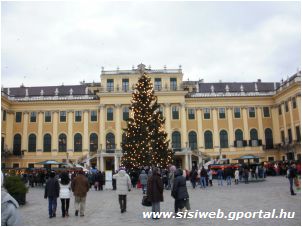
(204, 120)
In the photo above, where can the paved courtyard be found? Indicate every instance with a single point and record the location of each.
(102, 207)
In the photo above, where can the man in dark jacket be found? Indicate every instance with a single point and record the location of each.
(52, 190)
(193, 176)
(292, 174)
(228, 175)
(203, 175)
(80, 187)
(179, 190)
(155, 190)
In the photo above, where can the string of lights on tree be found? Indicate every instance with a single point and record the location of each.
(145, 142)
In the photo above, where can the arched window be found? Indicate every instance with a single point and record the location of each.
(238, 135)
(208, 140)
(254, 138)
(192, 140)
(62, 143)
(47, 143)
(176, 141)
(253, 134)
(32, 140)
(110, 142)
(269, 138)
(223, 139)
(77, 142)
(238, 138)
(17, 144)
(93, 142)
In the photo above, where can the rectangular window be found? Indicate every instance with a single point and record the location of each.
(280, 109)
(18, 117)
(4, 115)
(15, 165)
(252, 112)
(31, 165)
(125, 113)
(78, 116)
(290, 137)
(173, 84)
(33, 117)
(191, 113)
(161, 110)
(62, 116)
(125, 85)
(157, 84)
(109, 114)
(206, 113)
(237, 112)
(282, 137)
(271, 159)
(294, 103)
(286, 106)
(47, 116)
(110, 85)
(175, 113)
(221, 113)
(93, 115)
(266, 112)
(298, 133)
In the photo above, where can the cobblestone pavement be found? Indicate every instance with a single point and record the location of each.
(102, 207)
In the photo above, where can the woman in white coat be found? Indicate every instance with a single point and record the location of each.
(65, 193)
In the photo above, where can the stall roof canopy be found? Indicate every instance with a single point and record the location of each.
(247, 157)
(49, 162)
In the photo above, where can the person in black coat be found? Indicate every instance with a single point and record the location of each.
(292, 174)
(179, 190)
(52, 191)
(155, 190)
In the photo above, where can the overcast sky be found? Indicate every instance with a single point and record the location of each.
(50, 43)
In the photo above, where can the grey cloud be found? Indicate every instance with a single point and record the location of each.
(57, 42)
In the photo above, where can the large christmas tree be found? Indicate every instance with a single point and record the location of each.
(145, 142)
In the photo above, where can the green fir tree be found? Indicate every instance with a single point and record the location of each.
(145, 142)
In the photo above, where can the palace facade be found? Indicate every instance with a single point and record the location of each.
(204, 120)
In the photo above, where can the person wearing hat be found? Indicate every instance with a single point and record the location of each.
(9, 212)
(52, 192)
(123, 186)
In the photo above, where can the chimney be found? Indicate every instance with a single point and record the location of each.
(259, 81)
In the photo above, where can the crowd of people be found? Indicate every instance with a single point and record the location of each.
(153, 181)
